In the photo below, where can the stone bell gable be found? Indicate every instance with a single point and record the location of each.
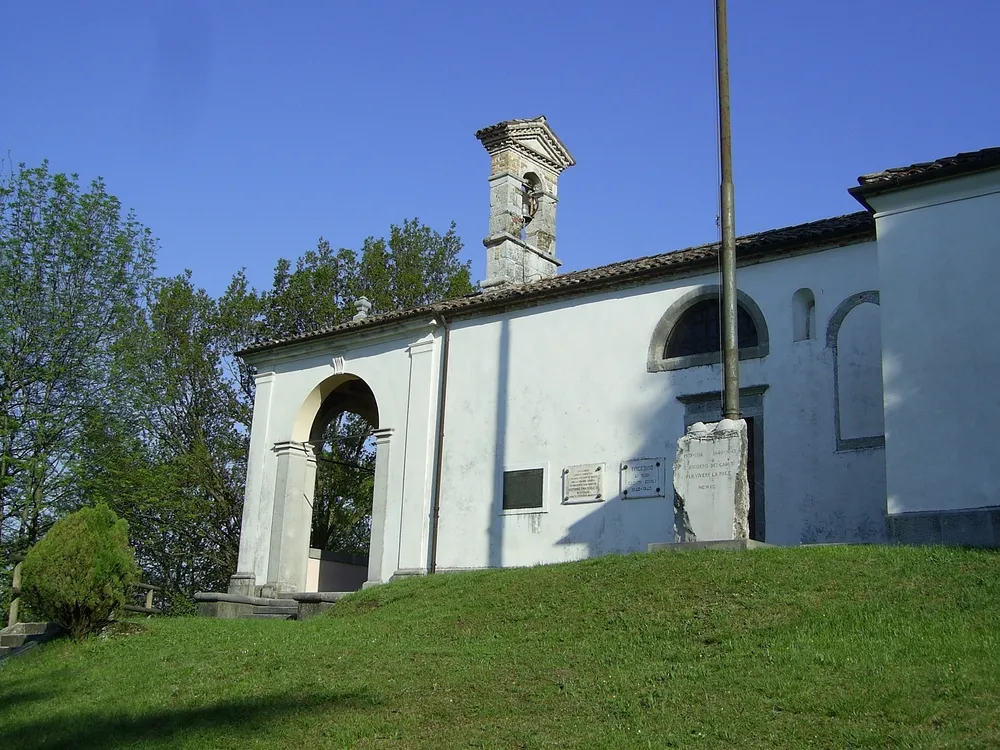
(526, 159)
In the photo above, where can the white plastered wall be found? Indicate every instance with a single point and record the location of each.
(567, 384)
(939, 259)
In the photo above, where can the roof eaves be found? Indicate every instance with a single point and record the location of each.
(840, 230)
(899, 178)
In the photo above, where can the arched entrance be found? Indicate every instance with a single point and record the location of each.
(350, 507)
(342, 439)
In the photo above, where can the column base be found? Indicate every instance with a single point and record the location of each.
(408, 573)
(243, 584)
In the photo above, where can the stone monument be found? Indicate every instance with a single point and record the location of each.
(711, 493)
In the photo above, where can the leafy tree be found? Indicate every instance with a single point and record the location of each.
(73, 267)
(174, 465)
(416, 266)
(345, 483)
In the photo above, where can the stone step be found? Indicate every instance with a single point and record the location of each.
(272, 616)
(275, 610)
(4, 650)
(31, 628)
(13, 640)
(36, 628)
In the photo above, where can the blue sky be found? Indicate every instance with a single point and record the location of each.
(242, 132)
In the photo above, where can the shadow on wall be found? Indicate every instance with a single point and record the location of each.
(620, 524)
(615, 525)
(502, 390)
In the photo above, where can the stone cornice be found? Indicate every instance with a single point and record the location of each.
(318, 346)
(532, 138)
(502, 237)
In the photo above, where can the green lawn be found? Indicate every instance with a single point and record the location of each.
(827, 647)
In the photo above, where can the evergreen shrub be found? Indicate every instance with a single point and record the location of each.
(78, 574)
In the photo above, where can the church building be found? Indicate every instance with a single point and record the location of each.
(536, 421)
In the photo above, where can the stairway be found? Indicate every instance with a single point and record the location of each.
(275, 612)
(286, 606)
(24, 636)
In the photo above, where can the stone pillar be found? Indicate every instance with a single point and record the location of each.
(541, 230)
(506, 204)
(381, 561)
(291, 522)
(504, 255)
(415, 514)
(258, 499)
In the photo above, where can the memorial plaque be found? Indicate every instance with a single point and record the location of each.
(644, 477)
(523, 489)
(583, 483)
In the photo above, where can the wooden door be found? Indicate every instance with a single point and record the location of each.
(751, 479)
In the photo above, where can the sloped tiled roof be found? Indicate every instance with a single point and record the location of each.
(929, 171)
(840, 230)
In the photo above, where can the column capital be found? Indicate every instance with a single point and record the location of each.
(291, 447)
(382, 435)
(263, 377)
(421, 346)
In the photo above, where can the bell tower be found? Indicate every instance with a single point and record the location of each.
(526, 159)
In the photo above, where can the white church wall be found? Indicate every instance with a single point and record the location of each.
(567, 384)
(939, 258)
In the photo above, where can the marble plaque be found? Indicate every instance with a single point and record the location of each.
(711, 494)
(644, 477)
(583, 483)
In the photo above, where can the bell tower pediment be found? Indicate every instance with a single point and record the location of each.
(531, 138)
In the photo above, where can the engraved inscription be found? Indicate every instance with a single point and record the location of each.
(705, 471)
(583, 483)
(643, 477)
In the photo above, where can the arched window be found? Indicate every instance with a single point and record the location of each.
(855, 337)
(529, 200)
(699, 330)
(690, 334)
(803, 315)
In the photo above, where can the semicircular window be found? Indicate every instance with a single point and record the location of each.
(699, 331)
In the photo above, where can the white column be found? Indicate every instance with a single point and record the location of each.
(258, 498)
(381, 557)
(292, 518)
(415, 514)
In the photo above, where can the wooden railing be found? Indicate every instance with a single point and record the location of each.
(15, 593)
(148, 609)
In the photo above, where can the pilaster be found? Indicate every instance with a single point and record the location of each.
(381, 560)
(258, 499)
(291, 522)
(414, 529)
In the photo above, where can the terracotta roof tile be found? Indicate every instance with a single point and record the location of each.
(929, 171)
(840, 230)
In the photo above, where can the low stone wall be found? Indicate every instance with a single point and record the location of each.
(973, 527)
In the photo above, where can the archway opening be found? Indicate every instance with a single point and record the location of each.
(342, 440)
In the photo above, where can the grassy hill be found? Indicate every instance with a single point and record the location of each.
(827, 647)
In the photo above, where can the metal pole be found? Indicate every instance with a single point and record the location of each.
(730, 350)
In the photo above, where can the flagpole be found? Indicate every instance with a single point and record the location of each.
(730, 350)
